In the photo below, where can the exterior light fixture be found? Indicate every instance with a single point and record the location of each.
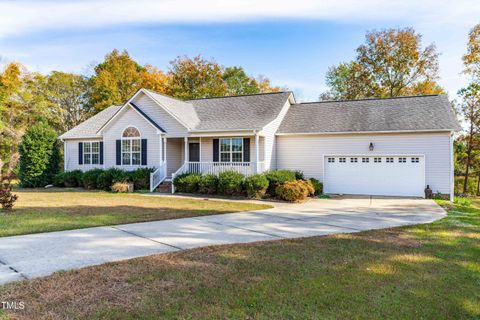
(370, 147)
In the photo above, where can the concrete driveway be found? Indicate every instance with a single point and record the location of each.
(29, 256)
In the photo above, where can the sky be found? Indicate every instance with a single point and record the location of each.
(292, 42)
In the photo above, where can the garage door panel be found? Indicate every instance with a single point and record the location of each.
(384, 178)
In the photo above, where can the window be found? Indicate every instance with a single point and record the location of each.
(415, 160)
(377, 160)
(91, 152)
(131, 147)
(231, 150)
(365, 160)
(353, 160)
(342, 160)
(389, 160)
(331, 160)
(402, 160)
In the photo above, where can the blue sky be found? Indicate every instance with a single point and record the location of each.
(292, 45)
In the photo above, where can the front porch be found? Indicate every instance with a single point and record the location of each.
(209, 155)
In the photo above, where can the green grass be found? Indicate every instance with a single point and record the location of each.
(43, 211)
(429, 271)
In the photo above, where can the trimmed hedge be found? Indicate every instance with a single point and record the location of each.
(230, 183)
(256, 186)
(89, 178)
(104, 179)
(208, 184)
(278, 177)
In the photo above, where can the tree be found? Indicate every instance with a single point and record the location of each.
(67, 94)
(471, 59)
(238, 82)
(265, 85)
(470, 109)
(155, 79)
(39, 156)
(390, 63)
(115, 80)
(196, 78)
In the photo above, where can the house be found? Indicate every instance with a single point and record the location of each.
(393, 147)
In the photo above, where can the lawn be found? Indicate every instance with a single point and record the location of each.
(429, 271)
(43, 211)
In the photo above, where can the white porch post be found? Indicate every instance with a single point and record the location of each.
(257, 153)
(160, 144)
(185, 140)
(200, 149)
(165, 154)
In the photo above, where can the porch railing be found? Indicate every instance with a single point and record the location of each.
(246, 168)
(158, 176)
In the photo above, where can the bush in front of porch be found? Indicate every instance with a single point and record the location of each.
(280, 184)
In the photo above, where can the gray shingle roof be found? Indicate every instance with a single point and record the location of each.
(395, 114)
(239, 112)
(89, 128)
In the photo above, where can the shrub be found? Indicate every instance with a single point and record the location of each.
(121, 186)
(69, 179)
(299, 175)
(256, 186)
(307, 187)
(108, 177)
(7, 198)
(181, 181)
(230, 183)
(317, 185)
(208, 184)
(292, 191)
(276, 178)
(39, 156)
(192, 182)
(90, 177)
(140, 178)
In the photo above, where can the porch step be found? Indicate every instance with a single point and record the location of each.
(165, 187)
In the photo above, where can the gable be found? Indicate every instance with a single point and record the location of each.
(162, 117)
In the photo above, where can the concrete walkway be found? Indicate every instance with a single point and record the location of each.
(29, 256)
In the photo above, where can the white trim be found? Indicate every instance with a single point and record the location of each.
(224, 130)
(360, 132)
(231, 152)
(200, 148)
(99, 131)
(257, 151)
(90, 153)
(132, 126)
(452, 168)
(65, 155)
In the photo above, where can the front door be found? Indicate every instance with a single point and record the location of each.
(194, 152)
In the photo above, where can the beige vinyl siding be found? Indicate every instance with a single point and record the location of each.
(71, 156)
(168, 123)
(305, 152)
(206, 148)
(270, 139)
(175, 158)
(114, 131)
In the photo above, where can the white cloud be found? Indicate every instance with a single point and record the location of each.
(20, 17)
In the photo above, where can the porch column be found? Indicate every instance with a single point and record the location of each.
(185, 141)
(160, 144)
(200, 149)
(257, 152)
(165, 154)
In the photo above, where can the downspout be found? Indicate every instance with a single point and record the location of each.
(452, 171)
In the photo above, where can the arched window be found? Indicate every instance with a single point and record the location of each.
(131, 147)
(131, 132)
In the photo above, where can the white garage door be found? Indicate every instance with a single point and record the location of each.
(375, 175)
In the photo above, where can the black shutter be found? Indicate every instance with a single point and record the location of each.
(101, 152)
(246, 149)
(215, 150)
(144, 152)
(80, 153)
(119, 152)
